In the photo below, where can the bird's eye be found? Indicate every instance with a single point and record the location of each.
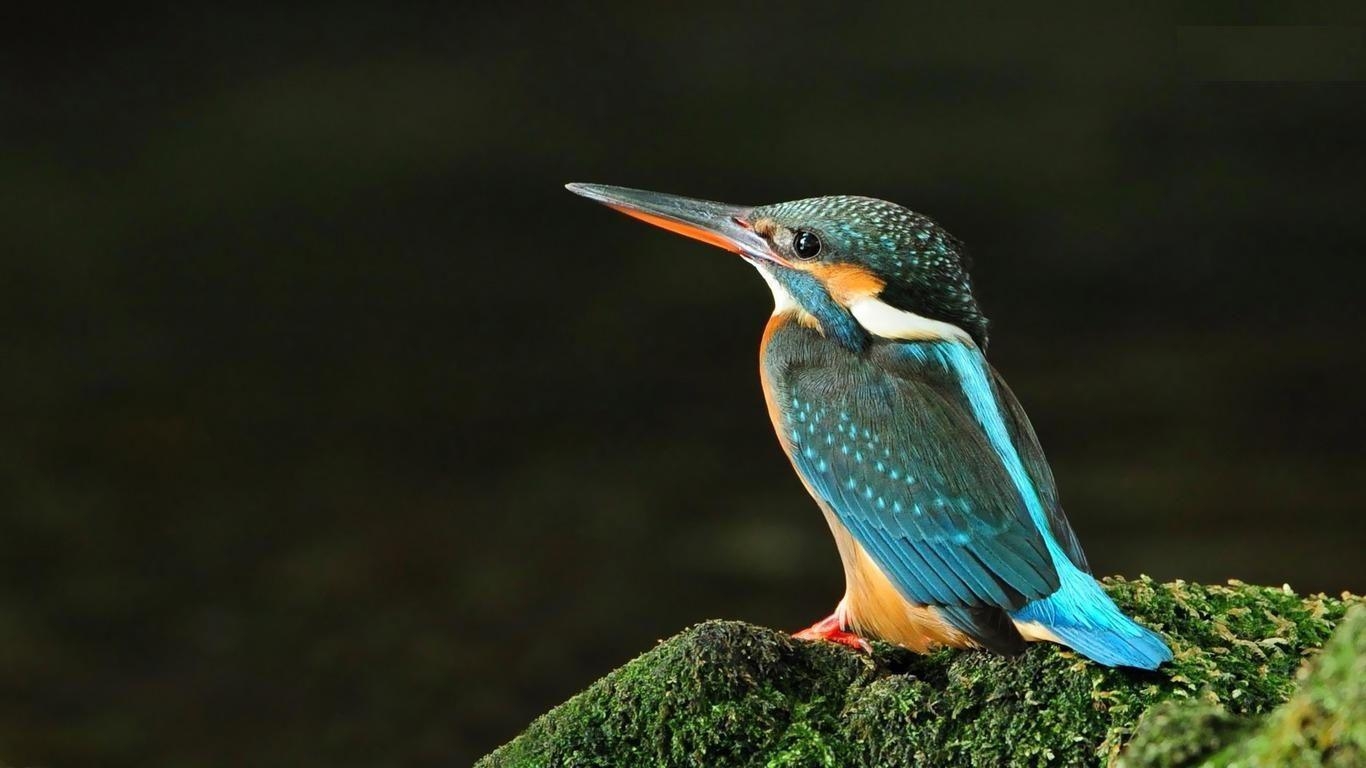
(806, 244)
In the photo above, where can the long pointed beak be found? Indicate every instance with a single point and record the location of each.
(724, 226)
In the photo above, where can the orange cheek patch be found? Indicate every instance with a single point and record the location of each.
(848, 283)
(680, 228)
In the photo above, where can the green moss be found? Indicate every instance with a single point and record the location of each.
(1324, 722)
(730, 694)
(1181, 732)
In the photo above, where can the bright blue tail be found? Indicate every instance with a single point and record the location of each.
(1085, 618)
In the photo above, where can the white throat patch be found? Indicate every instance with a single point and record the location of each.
(782, 300)
(876, 317)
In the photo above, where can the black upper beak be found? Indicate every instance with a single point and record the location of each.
(724, 226)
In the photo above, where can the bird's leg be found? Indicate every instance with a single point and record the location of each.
(832, 628)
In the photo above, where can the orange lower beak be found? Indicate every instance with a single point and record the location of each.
(724, 226)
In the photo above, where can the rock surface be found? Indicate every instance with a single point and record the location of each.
(1239, 692)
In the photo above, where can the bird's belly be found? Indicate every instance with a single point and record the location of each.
(872, 606)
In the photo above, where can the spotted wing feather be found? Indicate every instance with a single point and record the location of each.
(894, 452)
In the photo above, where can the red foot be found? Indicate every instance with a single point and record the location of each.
(829, 628)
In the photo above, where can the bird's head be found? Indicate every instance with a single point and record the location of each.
(851, 267)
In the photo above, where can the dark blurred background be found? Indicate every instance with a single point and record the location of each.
(336, 433)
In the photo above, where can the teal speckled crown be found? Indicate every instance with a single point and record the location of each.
(925, 267)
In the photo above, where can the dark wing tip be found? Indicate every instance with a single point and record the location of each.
(992, 628)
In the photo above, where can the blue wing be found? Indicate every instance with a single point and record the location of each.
(898, 456)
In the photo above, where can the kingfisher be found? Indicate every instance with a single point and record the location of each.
(943, 507)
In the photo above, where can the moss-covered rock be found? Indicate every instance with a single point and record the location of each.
(726, 693)
(1323, 723)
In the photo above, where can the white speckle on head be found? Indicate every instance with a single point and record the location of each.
(882, 319)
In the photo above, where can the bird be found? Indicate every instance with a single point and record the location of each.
(943, 507)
